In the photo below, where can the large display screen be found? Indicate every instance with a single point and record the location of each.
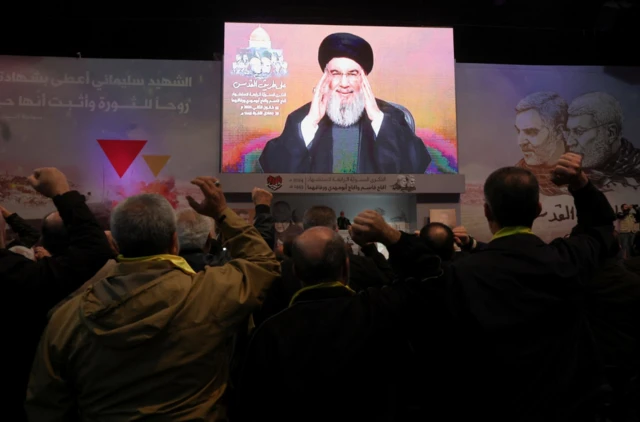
(338, 99)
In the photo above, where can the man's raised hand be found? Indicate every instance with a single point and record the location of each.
(321, 96)
(214, 202)
(569, 171)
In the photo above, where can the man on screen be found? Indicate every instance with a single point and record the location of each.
(541, 121)
(345, 129)
(595, 132)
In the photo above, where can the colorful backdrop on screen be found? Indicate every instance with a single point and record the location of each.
(271, 70)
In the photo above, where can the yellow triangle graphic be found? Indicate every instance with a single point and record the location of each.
(156, 162)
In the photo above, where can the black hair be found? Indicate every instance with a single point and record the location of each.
(513, 195)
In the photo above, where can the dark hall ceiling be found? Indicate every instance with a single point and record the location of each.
(499, 31)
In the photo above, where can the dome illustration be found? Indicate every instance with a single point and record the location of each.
(259, 38)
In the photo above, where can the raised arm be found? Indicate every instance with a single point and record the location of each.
(51, 279)
(27, 234)
(239, 286)
(592, 239)
(264, 221)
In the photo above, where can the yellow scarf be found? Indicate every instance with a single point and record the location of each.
(177, 261)
(319, 286)
(510, 231)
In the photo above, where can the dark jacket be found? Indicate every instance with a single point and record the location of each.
(28, 236)
(614, 312)
(520, 347)
(265, 224)
(36, 287)
(364, 272)
(633, 265)
(335, 355)
(199, 260)
(343, 223)
(395, 150)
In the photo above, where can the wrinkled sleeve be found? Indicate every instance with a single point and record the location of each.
(49, 395)
(238, 287)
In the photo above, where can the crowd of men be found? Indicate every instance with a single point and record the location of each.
(191, 316)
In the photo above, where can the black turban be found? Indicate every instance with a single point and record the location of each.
(351, 46)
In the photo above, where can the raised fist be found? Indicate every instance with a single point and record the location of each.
(49, 181)
(568, 171)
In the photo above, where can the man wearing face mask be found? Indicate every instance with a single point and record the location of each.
(541, 120)
(595, 132)
(345, 128)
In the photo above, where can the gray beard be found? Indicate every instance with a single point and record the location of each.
(345, 113)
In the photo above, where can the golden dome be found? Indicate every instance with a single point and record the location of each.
(259, 38)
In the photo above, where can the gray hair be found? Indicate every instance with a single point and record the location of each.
(602, 107)
(143, 225)
(193, 230)
(551, 107)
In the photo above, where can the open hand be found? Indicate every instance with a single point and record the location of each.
(39, 252)
(369, 227)
(461, 236)
(320, 99)
(214, 202)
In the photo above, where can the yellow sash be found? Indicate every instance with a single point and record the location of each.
(510, 231)
(319, 286)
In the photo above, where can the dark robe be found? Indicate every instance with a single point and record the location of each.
(396, 149)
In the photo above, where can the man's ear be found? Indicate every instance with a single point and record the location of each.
(345, 272)
(207, 244)
(487, 212)
(175, 244)
(612, 131)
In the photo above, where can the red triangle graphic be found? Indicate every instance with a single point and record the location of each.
(121, 153)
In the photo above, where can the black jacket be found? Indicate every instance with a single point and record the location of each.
(633, 265)
(614, 312)
(27, 235)
(519, 347)
(371, 270)
(32, 288)
(335, 355)
(395, 150)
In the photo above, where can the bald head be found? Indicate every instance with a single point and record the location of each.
(440, 239)
(55, 237)
(319, 256)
